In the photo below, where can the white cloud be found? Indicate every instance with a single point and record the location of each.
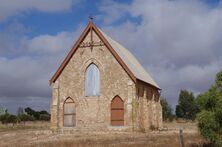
(27, 64)
(10, 39)
(113, 9)
(50, 43)
(179, 41)
(47, 44)
(196, 78)
(14, 7)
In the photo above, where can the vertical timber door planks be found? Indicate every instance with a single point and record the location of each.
(117, 111)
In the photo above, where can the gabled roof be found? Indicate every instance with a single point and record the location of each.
(133, 64)
(129, 63)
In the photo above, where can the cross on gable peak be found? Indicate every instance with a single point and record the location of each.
(90, 18)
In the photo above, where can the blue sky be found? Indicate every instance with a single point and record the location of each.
(51, 23)
(177, 41)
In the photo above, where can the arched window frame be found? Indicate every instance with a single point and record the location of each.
(88, 92)
(69, 100)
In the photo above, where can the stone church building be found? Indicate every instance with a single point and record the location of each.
(101, 86)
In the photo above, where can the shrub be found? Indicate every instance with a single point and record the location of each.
(209, 126)
(25, 117)
(8, 118)
(210, 117)
(12, 119)
(45, 117)
(167, 110)
(37, 114)
(2, 111)
(153, 128)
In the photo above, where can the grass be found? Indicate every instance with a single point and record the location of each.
(137, 140)
(38, 134)
(25, 126)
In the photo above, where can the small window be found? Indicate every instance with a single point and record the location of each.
(69, 113)
(92, 81)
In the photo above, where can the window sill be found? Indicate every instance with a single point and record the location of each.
(92, 97)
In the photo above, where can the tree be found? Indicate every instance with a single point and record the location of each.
(45, 117)
(20, 111)
(3, 118)
(166, 109)
(38, 115)
(2, 111)
(12, 119)
(29, 111)
(187, 107)
(43, 112)
(32, 112)
(25, 117)
(8, 118)
(210, 116)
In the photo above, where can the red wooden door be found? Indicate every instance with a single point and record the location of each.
(117, 112)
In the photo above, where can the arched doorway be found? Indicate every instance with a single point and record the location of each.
(69, 112)
(117, 111)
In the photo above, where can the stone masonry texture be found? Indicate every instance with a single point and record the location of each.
(141, 106)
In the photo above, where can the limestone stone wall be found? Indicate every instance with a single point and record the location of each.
(141, 108)
(92, 112)
(149, 111)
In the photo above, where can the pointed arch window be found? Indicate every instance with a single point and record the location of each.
(92, 81)
(69, 111)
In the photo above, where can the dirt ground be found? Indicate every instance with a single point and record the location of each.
(38, 134)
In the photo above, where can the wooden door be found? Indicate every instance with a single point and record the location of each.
(117, 112)
(69, 113)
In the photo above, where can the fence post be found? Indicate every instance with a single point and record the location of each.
(181, 138)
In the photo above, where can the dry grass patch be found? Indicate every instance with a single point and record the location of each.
(39, 135)
(35, 125)
(153, 139)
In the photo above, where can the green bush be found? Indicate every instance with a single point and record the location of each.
(209, 127)
(166, 110)
(153, 128)
(37, 114)
(45, 117)
(25, 117)
(12, 119)
(30, 115)
(8, 118)
(3, 118)
(210, 116)
(2, 111)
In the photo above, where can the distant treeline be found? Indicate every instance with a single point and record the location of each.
(206, 108)
(23, 115)
(187, 107)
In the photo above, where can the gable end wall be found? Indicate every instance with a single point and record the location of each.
(92, 112)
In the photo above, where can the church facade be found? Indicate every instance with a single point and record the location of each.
(101, 86)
